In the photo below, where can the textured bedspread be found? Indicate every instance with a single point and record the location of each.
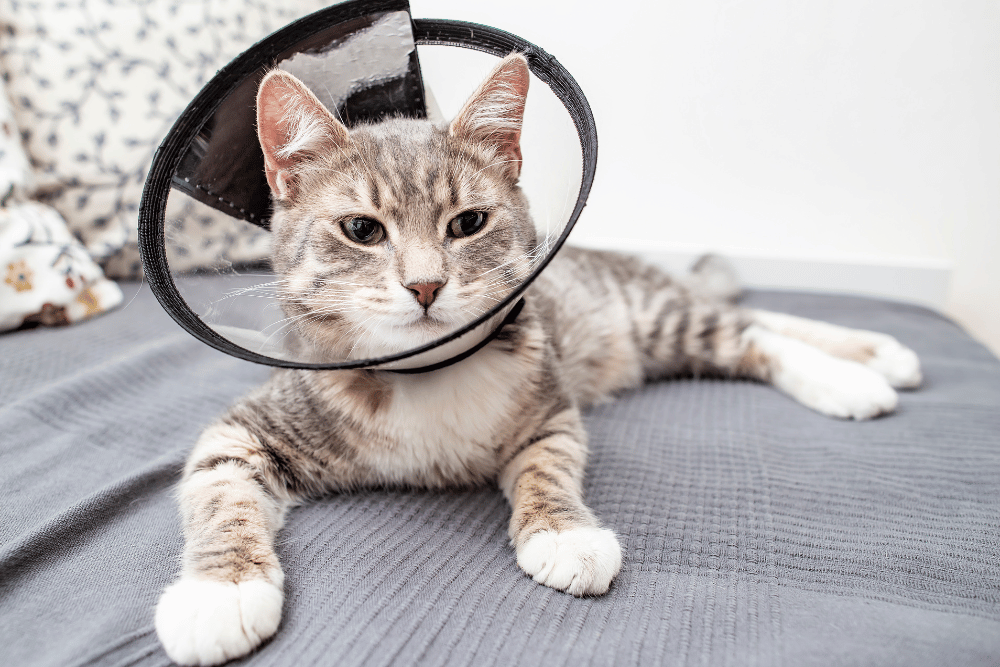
(754, 530)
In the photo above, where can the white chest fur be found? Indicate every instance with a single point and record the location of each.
(450, 421)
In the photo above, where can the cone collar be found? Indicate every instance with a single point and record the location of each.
(175, 168)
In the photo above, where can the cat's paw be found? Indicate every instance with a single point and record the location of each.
(848, 390)
(898, 364)
(202, 622)
(579, 561)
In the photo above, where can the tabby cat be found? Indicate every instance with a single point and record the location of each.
(388, 236)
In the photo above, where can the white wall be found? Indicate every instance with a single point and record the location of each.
(852, 137)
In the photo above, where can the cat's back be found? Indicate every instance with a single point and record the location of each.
(595, 276)
(616, 319)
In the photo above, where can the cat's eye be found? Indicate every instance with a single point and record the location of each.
(363, 230)
(466, 224)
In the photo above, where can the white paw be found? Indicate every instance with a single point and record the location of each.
(848, 390)
(203, 622)
(580, 561)
(898, 364)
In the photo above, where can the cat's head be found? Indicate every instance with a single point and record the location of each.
(392, 235)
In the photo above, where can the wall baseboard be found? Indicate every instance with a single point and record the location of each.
(921, 281)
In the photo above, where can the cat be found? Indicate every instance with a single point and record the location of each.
(388, 236)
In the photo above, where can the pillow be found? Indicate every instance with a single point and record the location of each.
(15, 172)
(96, 85)
(47, 276)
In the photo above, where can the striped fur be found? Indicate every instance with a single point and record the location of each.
(595, 324)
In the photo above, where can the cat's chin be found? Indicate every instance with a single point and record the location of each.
(373, 338)
(425, 326)
(381, 340)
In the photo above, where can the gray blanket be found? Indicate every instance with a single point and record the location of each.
(754, 530)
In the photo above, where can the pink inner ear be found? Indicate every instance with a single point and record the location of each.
(293, 127)
(273, 136)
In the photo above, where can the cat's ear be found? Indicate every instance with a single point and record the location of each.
(293, 127)
(494, 113)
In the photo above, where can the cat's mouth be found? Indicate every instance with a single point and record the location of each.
(430, 318)
(426, 326)
(428, 321)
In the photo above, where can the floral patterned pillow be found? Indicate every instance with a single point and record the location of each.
(96, 85)
(47, 276)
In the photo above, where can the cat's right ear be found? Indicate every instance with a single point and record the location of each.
(494, 113)
(293, 127)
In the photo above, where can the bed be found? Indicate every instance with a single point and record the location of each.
(754, 530)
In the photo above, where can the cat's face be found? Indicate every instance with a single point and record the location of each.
(393, 235)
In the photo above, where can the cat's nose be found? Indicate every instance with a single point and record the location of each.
(425, 293)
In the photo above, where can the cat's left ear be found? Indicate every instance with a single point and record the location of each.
(494, 113)
(294, 128)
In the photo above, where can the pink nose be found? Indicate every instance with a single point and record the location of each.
(425, 293)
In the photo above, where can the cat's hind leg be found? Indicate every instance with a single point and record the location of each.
(831, 385)
(228, 598)
(880, 352)
(707, 338)
(558, 540)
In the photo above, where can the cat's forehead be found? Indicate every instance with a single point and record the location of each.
(407, 145)
(399, 133)
(400, 145)
(411, 169)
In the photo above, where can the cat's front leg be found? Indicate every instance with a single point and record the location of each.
(229, 595)
(558, 540)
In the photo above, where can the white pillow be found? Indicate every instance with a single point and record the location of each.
(96, 85)
(46, 276)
